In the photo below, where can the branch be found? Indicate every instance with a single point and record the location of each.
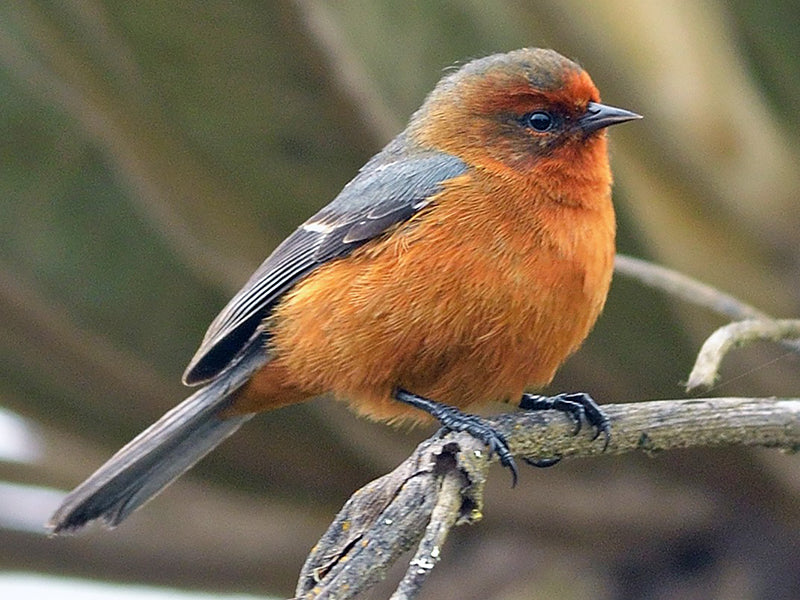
(734, 335)
(442, 482)
(686, 288)
(692, 291)
(443, 517)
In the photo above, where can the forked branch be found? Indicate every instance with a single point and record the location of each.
(441, 483)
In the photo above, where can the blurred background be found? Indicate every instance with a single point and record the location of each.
(153, 153)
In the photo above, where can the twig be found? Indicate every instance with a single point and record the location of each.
(429, 551)
(692, 291)
(734, 335)
(684, 287)
(388, 516)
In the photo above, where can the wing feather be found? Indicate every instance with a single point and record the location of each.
(387, 191)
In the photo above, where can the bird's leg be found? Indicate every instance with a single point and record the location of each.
(453, 419)
(579, 406)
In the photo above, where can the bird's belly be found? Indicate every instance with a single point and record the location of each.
(461, 326)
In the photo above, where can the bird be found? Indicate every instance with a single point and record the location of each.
(462, 265)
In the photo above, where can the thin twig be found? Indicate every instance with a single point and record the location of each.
(684, 287)
(429, 550)
(734, 335)
(692, 291)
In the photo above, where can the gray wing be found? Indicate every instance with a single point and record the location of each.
(385, 192)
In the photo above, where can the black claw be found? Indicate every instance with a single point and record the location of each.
(542, 463)
(453, 419)
(579, 406)
(504, 455)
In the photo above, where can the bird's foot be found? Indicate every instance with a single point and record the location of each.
(452, 419)
(580, 406)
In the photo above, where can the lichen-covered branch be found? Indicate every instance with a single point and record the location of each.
(445, 514)
(389, 515)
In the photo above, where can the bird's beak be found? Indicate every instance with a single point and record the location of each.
(599, 115)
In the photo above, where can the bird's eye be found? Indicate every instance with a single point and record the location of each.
(540, 121)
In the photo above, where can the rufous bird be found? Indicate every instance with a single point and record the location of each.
(462, 265)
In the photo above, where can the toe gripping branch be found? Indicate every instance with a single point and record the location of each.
(579, 406)
(453, 419)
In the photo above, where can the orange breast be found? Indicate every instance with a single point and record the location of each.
(474, 300)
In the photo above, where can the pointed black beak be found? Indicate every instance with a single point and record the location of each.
(598, 116)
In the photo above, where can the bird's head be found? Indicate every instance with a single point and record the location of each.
(521, 112)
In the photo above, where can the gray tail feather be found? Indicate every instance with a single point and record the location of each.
(160, 454)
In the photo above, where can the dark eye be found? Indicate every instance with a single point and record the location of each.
(540, 121)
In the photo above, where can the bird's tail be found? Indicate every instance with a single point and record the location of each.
(160, 454)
